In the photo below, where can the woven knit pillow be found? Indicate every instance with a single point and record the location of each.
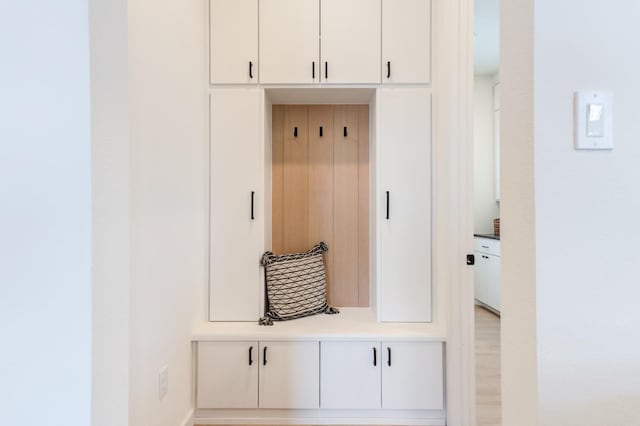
(296, 285)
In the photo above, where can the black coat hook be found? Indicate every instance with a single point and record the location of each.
(345, 132)
(320, 131)
(295, 132)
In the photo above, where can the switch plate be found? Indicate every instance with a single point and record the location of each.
(163, 382)
(593, 120)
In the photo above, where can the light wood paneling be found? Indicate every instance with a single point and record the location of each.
(321, 184)
(277, 179)
(321, 192)
(296, 179)
(345, 215)
(363, 205)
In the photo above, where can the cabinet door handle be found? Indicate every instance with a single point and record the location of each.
(326, 70)
(250, 70)
(389, 356)
(387, 205)
(253, 194)
(375, 357)
(388, 69)
(313, 70)
(295, 132)
(320, 131)
(251, 355)
(485, 247)
(344, 132)
(264, 356)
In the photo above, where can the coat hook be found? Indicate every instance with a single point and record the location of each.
(345, 132)
(295, 132)
(320, 131)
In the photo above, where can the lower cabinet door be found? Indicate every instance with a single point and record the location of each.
(412, 376)
(482, 277)
(289, 375)
(493, 292)
(350, 375)
(227, 375)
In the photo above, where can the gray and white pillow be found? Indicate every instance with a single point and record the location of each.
(296, 285)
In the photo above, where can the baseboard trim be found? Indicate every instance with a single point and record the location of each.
(318, 417)
(188, 419)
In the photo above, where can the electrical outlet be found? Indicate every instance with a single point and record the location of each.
(163, 382)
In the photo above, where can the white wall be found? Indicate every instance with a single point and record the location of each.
(45, 213)
(587, 210)
(110, 176)
(586, 216)
(484, 197)
(169, 201)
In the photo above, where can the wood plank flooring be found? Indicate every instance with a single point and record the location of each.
(488, 387)
(488, 383)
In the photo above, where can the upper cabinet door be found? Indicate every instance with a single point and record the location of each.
(234, 41)
(350, 41)
(406, 41)
(289, 44)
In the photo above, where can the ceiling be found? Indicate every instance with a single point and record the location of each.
(486, 37)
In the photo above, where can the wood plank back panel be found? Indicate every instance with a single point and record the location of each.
(345, 214)
(321, 192)
(296, 179)
(321, 184)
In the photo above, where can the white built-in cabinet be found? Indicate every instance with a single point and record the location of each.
(289, 42)
(233, 42)
(364, 375)
(289, 375)
(404, 205)
(406, 41)
(328, 41)
(237, 204)
(487, 272)
(350, 41)
(234, 364)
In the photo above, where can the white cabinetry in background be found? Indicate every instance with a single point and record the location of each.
(233, 363)
(233, 41)
(406, 41)
(289, 375)
(404, 205)
(487, 272)
(237, 204)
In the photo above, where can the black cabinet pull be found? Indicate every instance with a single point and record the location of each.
(344, 131)
(295, 132)
(251, 70)
(252, 203)
(313, 70)
(387, 205)
(388, 69)
(251, 355)
(375, 357)
(326, 70)
(320, 131)
(264, 356)
(389, 356)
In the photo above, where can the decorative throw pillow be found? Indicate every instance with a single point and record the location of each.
(296, 285)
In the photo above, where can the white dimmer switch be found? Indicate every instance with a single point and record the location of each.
(593, 120)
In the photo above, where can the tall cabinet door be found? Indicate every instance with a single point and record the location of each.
(233, 62)
(289, 41)
(237, 205)
(289, 375)
(412, 376)
(404, 205)
(406, 41)
(350, 375)
(350, 43)
(227, 375)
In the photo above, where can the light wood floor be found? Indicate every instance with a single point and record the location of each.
(488, 387)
